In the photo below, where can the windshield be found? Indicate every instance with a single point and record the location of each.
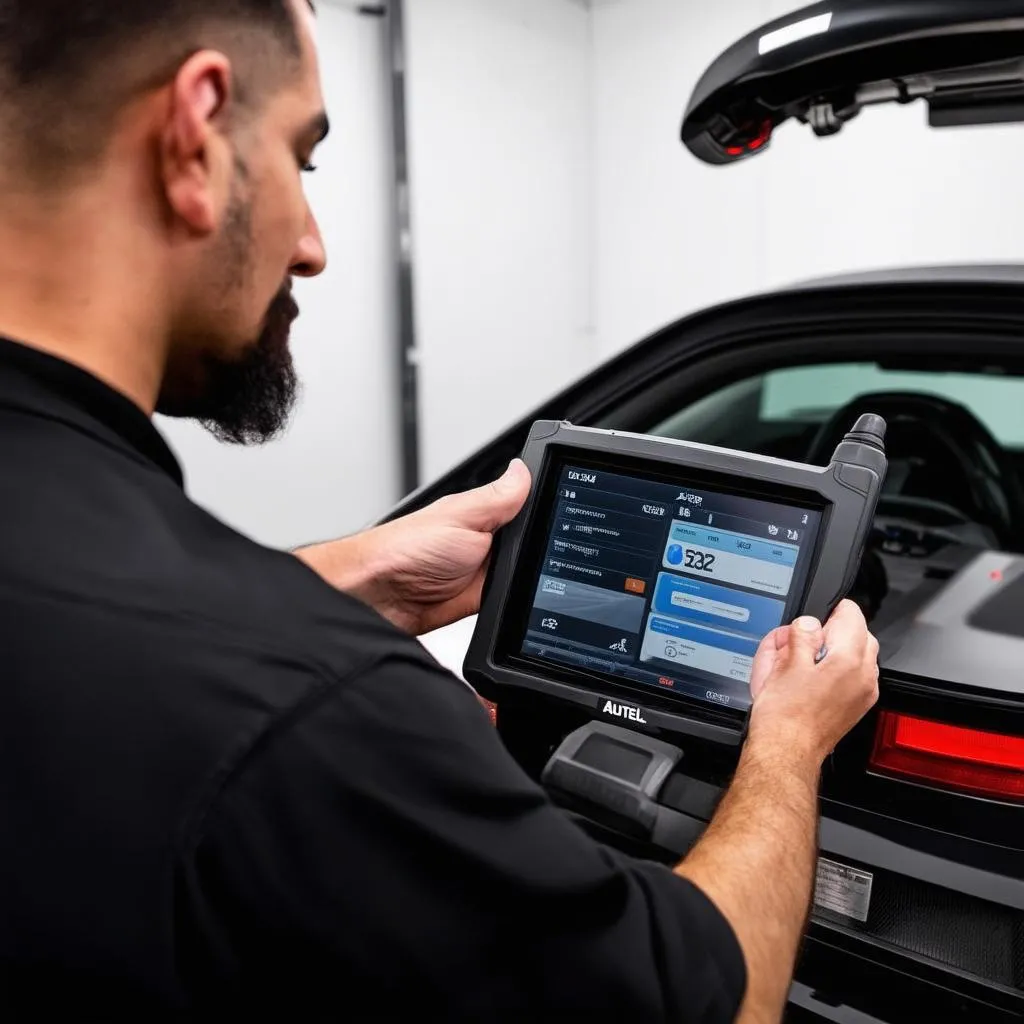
(777, 413)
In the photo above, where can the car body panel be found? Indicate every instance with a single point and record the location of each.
(825, 63)
(909, 848)
(911, 294)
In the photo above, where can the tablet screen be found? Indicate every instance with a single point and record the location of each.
(665, 586)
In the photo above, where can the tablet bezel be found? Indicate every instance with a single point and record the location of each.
(844, 493)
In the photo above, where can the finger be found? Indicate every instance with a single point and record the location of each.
(873, 647)
(781, 636)
(766, 659)
(805, 640)
(486, 509)
(847, 629)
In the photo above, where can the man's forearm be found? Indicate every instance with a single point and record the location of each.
(756, 863)
(340, 562)
(352, 565)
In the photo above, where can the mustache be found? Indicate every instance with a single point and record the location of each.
(281, 314)
(284, 306)
(288, 302)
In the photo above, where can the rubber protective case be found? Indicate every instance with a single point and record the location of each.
(847, 491)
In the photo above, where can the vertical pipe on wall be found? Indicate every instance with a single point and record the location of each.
(406, 351)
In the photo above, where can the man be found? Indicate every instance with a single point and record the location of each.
(233, 783)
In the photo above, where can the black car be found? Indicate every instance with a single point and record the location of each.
(919, 911)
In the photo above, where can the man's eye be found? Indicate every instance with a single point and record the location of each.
(308, 168)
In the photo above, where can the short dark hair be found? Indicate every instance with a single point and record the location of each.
(66, 66)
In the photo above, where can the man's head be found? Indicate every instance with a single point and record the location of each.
(182, 127)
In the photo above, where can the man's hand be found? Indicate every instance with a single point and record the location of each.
(807, 706)
(426, 570)
(756, 860)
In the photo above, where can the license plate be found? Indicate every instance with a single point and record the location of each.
(843, 890)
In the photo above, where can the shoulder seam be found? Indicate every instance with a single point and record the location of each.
(194, 821)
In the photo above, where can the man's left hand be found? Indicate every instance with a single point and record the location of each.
(426, 570)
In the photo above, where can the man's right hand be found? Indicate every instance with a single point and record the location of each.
(756, 859)
(806, 707)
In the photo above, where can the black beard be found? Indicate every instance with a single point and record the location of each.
(248, 402)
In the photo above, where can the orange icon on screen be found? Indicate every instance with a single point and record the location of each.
(636, 586)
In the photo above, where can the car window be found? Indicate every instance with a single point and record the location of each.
(777, 413)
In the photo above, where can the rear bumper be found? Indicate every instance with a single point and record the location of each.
(940, 936)
(835, 984)
(858, 974)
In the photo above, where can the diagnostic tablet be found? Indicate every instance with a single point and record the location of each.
(643, 572)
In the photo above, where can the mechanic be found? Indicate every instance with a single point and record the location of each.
(234, 783)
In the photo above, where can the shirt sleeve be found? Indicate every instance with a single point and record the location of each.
(383, 844)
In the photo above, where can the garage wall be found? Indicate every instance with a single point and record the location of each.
(674, 235)
(337, 467)
(671, 234)
(499, 137)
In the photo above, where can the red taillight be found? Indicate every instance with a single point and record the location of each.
(759, 140)
(983, 763)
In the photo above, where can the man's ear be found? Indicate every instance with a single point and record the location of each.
(195, 156)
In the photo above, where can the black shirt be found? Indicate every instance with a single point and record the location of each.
(228, 790)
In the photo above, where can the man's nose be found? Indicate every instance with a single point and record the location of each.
(310, 257)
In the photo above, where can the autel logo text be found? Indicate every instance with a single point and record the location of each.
(623, 711)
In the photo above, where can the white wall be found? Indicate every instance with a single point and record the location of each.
(675, 235)
(672, 234)
(337, 467)
(499, 136)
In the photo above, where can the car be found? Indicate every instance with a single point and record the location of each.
(919, 907)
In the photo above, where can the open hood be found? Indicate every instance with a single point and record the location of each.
(823, 64)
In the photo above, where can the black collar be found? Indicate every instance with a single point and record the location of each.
(36, 382)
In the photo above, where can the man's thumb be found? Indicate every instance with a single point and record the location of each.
(805, 640)
(492, 506)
